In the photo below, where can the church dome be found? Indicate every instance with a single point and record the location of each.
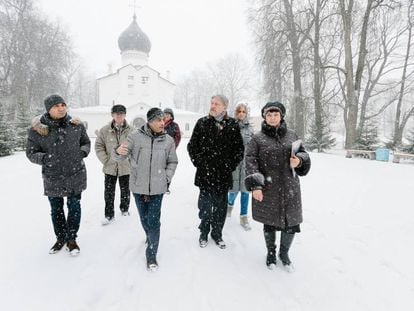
(133, 38)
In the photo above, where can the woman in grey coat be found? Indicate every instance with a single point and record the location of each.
(241, 115)
(153, 161)
(272, 168)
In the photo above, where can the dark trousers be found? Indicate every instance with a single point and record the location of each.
(149, 209)
(66, 229)
(110, 183)
(212, 212)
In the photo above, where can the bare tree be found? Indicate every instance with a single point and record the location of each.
(319, 134)
(231, 76)
(297, 38)
(35, 55)
(282, 30)
(401, 118)
(353, 80)
(271, 40)
(194, 91)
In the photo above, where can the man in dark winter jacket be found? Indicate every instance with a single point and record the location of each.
(59, 146)
(215, 148)
(171, 127)
(109, 137)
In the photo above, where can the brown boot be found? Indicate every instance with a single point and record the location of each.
(57, 247)
(73, 248)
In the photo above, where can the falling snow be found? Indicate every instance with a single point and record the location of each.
(354, 251)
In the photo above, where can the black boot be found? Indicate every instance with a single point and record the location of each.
(285, 243)
(270, 238)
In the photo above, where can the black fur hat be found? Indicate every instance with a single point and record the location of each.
(52, 100)
(274, 106)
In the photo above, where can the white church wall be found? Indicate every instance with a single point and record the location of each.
(128, 85)
(135, 58)
(92, 120)
(186, 121)
(108, 88)
(167, 91)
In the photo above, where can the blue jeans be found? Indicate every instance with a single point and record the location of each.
(212, 212)
(244, 201)
(149, 209)
(66, 229)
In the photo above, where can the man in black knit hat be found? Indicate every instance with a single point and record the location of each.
(59, 146)
(153, 165)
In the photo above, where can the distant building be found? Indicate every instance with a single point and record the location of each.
(135, 85)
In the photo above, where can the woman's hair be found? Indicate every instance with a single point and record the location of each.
(241, 106)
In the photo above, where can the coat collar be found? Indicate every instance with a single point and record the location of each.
(277, 132)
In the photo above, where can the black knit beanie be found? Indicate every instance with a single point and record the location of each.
(52, 100)
(154, 113)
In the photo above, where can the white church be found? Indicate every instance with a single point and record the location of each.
(135, 85)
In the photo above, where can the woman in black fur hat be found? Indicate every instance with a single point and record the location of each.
(272, 169)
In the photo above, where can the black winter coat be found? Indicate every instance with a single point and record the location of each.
(268, 167)
(215, 148)
(61, 154)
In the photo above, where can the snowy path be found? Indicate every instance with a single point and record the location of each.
(354, 251)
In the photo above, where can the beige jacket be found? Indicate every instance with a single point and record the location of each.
(106, 141)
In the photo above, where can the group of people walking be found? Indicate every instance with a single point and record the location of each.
(229, 158)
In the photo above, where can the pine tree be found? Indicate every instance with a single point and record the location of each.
(22, 123)
(320, 140)
(368, 139)
(7, 140)
(409, 148)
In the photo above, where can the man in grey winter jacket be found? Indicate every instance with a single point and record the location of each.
(109, 137)
(59, 145)
(153, 162)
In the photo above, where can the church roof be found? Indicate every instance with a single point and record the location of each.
(133, 38)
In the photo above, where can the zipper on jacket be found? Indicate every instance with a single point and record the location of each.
(149, 176)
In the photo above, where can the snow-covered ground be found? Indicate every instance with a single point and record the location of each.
(354, 252)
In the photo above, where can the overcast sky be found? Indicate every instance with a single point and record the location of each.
(184, 33)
